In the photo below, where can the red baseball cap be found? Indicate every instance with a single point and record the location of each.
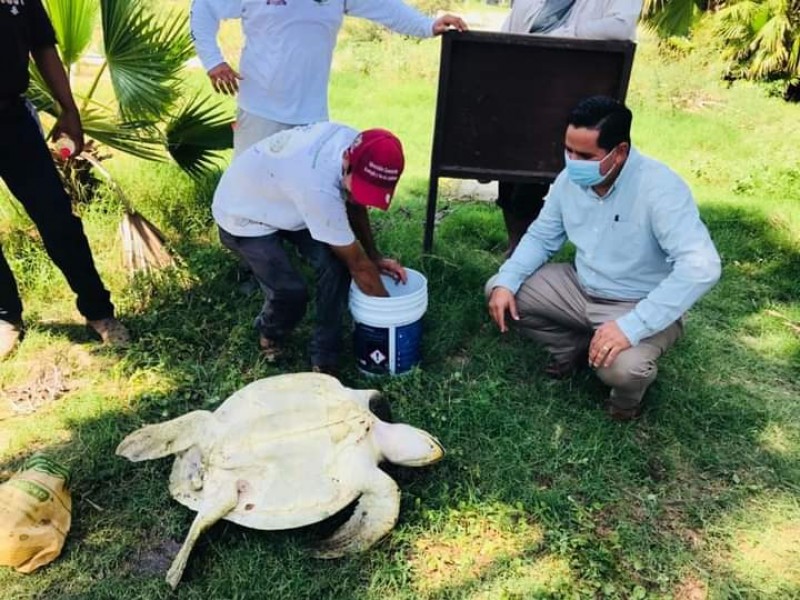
(376, 162)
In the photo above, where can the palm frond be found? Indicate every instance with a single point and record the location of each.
(39, 94)
(670, 17)
(735, 25)
(144, 56)
(794, 56)
(197, 134)
(761, 38)
(771, 54)
(73, 22)
(138, 137)
(653, 7)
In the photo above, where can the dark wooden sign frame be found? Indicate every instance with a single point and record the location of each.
(503, 102)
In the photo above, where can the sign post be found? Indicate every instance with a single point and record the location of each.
(503, 103)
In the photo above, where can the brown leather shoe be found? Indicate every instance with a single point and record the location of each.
(10, 335)
(270, 349)
(622, 414)
(111, 331)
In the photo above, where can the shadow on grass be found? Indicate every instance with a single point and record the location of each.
(624, 506)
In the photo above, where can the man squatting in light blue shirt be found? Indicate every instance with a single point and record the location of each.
(643, 257)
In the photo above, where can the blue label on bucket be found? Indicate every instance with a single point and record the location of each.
(384, 350)
(372, 348)
(407, 346)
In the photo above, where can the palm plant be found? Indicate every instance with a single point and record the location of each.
(675, 17)
(760, 38)
(150, 115)
(143, 56)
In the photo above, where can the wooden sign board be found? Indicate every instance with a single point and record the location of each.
(504, 99)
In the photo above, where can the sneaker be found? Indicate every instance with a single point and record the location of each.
(111, 331)
(10, 335)
(270, 349)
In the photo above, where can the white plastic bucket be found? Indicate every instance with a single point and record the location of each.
(388, 331)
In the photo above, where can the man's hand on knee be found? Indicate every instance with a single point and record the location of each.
(500, 301)
(608, 341)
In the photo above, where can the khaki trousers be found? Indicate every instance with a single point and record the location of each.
(251, 129)
(556, 311)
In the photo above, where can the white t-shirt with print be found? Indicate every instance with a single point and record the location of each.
(288, 181)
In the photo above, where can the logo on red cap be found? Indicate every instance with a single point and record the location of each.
(376, 163)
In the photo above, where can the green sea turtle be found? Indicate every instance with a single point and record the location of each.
(284, 452)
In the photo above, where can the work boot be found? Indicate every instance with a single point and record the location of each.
(111, 331)
(10, 335)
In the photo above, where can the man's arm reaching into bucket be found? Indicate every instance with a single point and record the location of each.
(359, 221)
(365, 272)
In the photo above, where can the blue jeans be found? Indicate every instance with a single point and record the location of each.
(285, 292)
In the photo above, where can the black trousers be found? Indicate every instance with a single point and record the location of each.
(27, 168)
(523, 201)
(285, 292)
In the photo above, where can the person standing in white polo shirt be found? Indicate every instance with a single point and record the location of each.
(309, 186)
(286, 60)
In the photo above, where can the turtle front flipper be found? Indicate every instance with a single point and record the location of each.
(374, 516)
(162, 439)
(221, 500)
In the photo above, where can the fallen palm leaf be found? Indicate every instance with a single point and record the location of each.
(143, 244)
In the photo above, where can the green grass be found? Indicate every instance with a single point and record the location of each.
(540, 496)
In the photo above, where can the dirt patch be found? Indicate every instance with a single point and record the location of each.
(696, 101)
(469, 548)
(154, 559)
(772, 554)
(46, 386)
(691, 588)
(45, 380)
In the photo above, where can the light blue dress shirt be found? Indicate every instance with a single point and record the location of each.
(643, 241)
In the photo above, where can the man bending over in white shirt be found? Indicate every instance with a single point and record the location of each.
(309, 186)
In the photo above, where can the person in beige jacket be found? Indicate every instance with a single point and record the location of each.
(585, 19)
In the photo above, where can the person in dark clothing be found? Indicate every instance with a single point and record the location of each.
(583, 19)
(521, 204)
(26, 167)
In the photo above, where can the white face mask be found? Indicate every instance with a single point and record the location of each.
(586, 173)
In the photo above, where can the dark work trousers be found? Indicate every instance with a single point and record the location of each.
(285, 291)
(27, 168)
(523, 201)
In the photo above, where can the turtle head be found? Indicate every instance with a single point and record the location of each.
(406, 445)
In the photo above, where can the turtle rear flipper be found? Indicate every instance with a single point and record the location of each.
(374, 516)
(162, 439)
(221, 500)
